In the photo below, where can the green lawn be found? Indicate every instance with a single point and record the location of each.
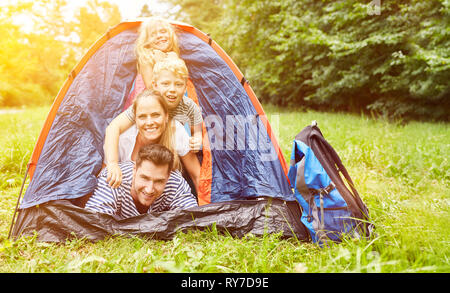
(402, 173)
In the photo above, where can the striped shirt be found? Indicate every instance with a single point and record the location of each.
(118, 201)
(187, 111)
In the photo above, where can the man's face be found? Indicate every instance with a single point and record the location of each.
(171, 87)
(149, 181)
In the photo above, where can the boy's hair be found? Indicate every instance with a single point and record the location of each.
(157, 154)
(171, 63)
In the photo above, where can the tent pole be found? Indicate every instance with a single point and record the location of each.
(18, 200)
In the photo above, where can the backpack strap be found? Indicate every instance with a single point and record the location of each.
(306, 193)
(324, 190)
(331, 161)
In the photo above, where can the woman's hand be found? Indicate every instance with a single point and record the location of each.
(114, 176)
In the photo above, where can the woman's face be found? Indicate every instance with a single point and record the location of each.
(159, 38)
(151, 119)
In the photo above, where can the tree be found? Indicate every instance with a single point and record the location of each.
(93, 20)
(339, 55)
(145, 11)
(35, 62)
(203, 14)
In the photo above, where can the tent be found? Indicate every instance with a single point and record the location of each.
(244, 182)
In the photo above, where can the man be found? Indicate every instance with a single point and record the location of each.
(147, 186)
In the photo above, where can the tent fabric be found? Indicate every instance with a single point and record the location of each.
(72, 155)
(73, 152)
(59, 221)
(239, 169)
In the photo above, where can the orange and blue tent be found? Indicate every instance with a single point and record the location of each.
(242, 165)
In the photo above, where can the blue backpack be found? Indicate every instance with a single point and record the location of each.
(331, 206)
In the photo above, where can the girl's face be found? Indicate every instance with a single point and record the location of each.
(160, 38)
(151, 119)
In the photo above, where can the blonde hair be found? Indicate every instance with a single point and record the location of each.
(144, 49)
(167, 138)
(171, 63)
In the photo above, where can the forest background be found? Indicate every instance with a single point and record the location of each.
(389, 59)
(384, 58)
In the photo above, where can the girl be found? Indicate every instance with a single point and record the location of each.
(156, 37)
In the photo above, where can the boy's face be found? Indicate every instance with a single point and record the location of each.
(171, 86)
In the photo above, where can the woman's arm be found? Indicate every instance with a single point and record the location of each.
(192, 165)
(111, 148)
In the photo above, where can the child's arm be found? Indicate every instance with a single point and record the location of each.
(195, 141)
(111, 148)
(146, 70)
(195, 116)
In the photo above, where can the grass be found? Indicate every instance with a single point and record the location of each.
(401, 172)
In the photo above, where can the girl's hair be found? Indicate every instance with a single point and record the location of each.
(171, 63)
(167, 138)
(143, 49)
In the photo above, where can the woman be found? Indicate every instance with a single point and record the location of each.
(153, 125)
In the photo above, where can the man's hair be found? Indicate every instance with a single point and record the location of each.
(171, 63)
(157, 154)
